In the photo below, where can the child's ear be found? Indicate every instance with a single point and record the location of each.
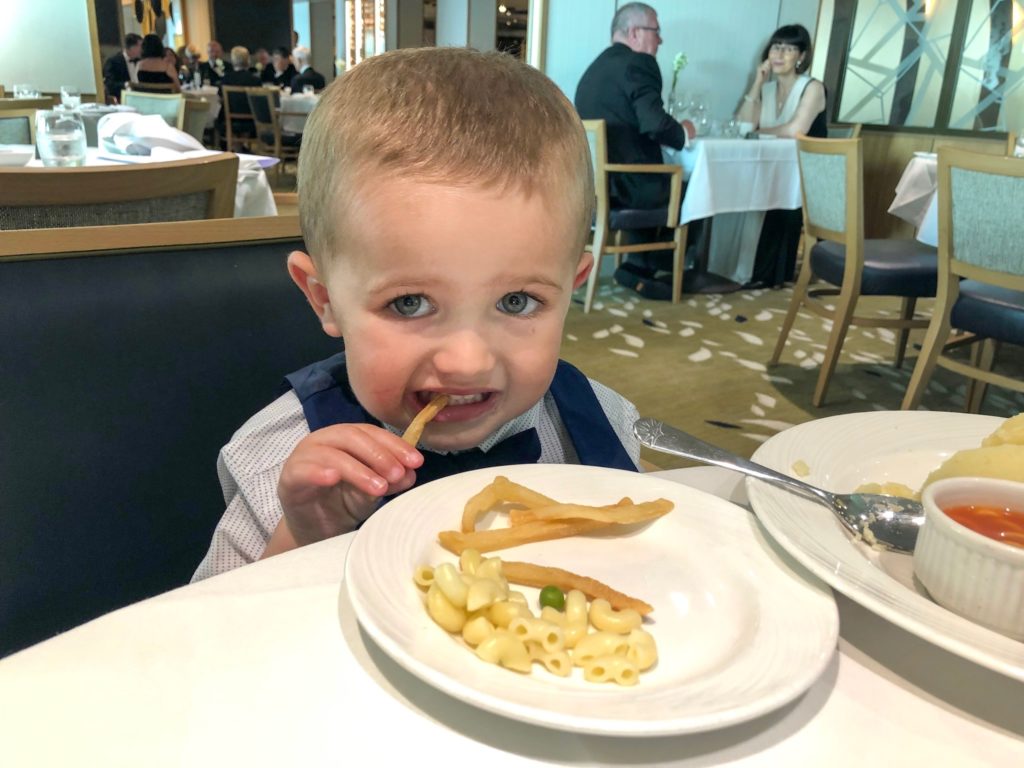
(586, 264)
(304, 274)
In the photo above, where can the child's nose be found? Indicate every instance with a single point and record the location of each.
(464, 354)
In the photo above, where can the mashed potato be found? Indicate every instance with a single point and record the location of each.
(1001, 456)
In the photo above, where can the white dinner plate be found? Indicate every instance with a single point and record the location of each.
(842, 452)
(740, 628)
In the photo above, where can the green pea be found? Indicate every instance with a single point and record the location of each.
(553, 597)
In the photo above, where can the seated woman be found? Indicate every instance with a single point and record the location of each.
(153, 67)
(785, 102)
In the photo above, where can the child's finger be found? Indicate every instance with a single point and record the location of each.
(323, 466)
(370, 443)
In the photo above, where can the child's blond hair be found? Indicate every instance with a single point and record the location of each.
(440, 115)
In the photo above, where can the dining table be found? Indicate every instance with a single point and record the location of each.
(916, 200)
(736, 180)
(207, 93)
(295, 109)
(269, 665)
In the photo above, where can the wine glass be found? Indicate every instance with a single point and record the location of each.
(70, 96)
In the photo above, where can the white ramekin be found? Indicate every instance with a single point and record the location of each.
(970, 574)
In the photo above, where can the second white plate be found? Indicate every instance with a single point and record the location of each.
(740, 630)
(842, 452)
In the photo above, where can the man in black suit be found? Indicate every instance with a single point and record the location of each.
(117, 70)
(281, 70)
(623, 87)
(238, 75)
(307, 75)
(214, 68)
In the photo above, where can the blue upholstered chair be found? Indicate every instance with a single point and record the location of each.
(170, 106)
(981, 271)
(609, 223)
(18, 126)
(831, 177)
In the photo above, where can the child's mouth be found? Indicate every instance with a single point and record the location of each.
(461, 407)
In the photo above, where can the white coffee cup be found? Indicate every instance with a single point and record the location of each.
(746, 128)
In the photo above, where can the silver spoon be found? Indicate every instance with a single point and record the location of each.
(889, 521)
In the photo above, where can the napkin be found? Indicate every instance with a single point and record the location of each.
(128, 133)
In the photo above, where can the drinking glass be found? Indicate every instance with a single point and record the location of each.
(22, 90)
(60, 138)
(70, 96)
(732, 129)
(308, 90)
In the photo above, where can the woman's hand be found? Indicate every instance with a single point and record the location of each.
(764, 69)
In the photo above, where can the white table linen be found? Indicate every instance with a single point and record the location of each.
(296, 102)
(916, 201)
(253, 195)
(266, 665)
(208, 93)
(736, 181)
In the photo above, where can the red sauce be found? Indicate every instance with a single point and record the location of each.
(999, 523)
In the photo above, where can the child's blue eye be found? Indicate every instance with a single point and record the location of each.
(518, 303)
(411, 305)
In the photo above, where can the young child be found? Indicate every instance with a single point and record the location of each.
(445, 196)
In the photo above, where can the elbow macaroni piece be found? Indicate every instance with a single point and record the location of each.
(607, 619)
(617, 669)
(598, 644)
(642, 650)
(505, 649)
(539, 631)
(475, 601)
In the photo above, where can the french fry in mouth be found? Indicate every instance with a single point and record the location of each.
(414, 431)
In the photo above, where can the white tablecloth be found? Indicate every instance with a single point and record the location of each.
(736, 181)
(208, 93)
(916, 200)
(253, 195)
(266, 665)
(296, 102)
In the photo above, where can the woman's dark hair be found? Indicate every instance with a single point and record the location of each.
(793, 34)
(152, 47)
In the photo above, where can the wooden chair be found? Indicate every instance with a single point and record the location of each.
(981, 272)
(610, 223)
(831, 179)
(1011, 143)
(239, 125)
(43, 102)
(270, 139)
(18, 126)
(199, 188)
(194, 120)
(844, 130)
(170, 106)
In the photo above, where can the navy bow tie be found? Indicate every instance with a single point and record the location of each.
(520, 448)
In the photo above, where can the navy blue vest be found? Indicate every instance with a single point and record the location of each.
(327, 399)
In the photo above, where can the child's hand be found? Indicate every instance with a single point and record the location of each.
(335, 477)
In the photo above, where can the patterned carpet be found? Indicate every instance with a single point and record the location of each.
(701, 365)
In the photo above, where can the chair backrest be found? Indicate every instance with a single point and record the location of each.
(124, 374)
(194, 120)
(981, 228)
(152, 87)
(236, 102)
(43, 102)
(262, 107)
(18, 126)
(170, 106)
(597, 139)
(199, 188)
(844, 130)
(831, 171)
